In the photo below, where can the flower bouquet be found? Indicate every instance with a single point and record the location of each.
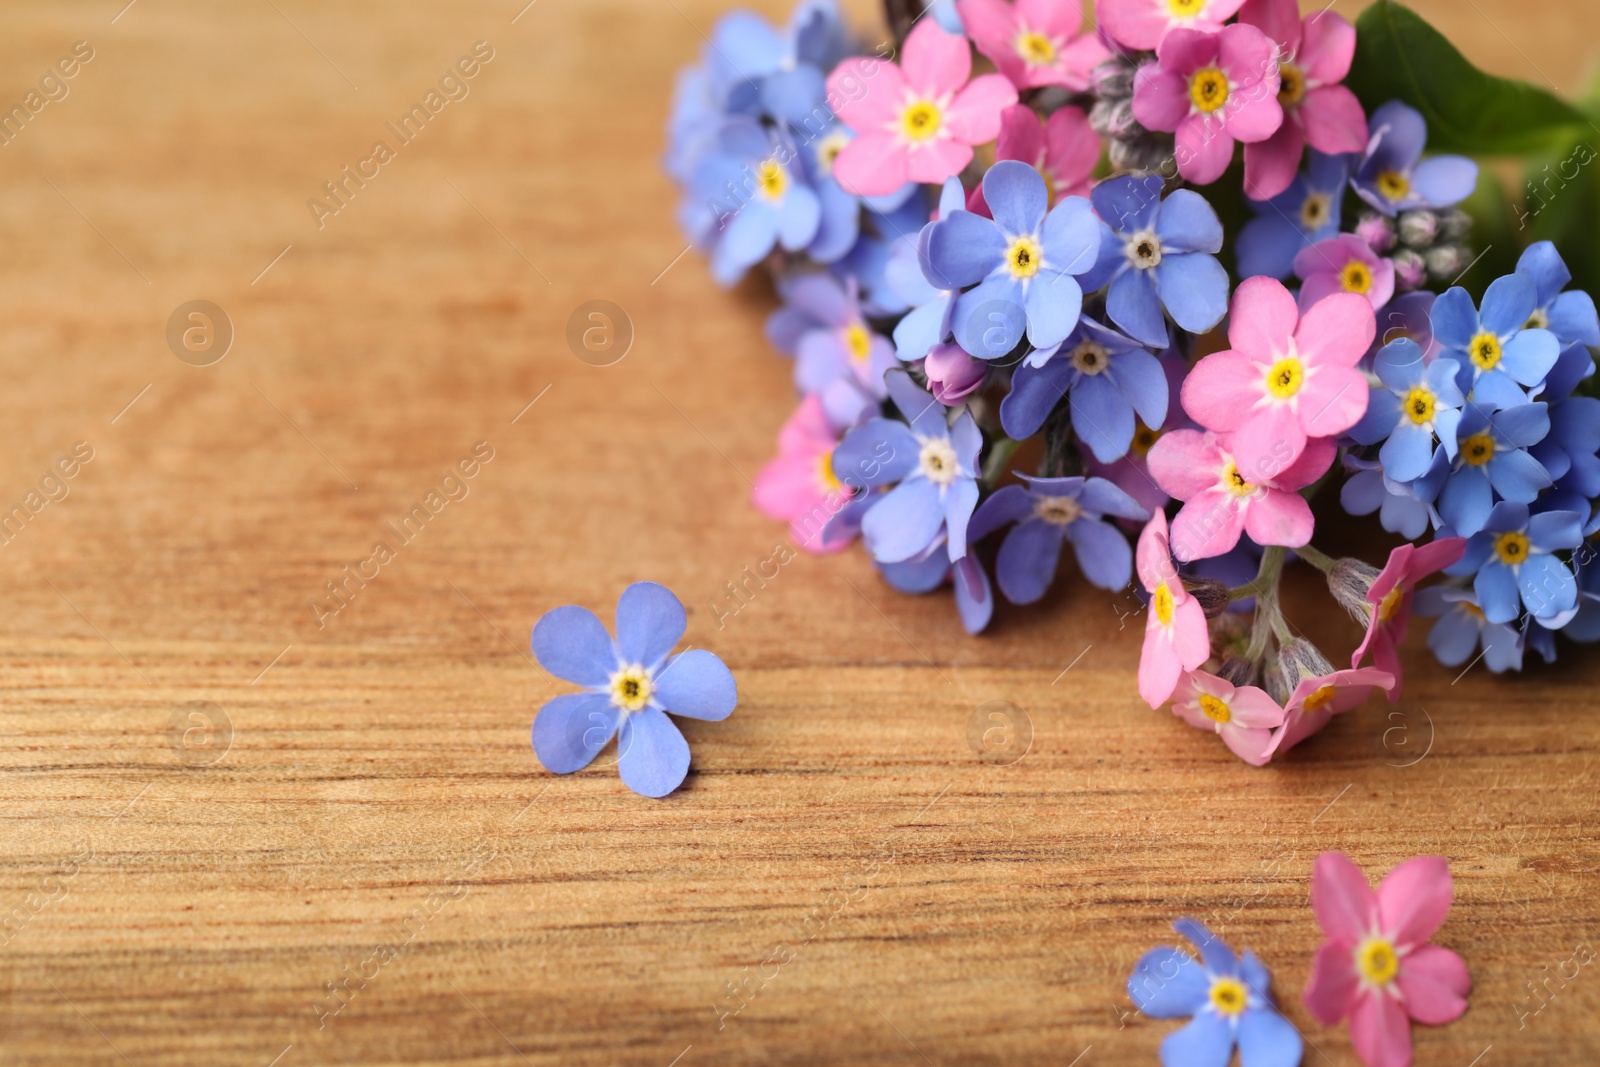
(1145, 290)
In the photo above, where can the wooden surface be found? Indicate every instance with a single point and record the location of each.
(880, 893)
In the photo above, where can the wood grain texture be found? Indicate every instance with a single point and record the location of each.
(839, 853)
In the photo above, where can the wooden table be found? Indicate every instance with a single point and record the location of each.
(241, 829)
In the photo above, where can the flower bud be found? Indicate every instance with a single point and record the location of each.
(1377, 231)
(1148, 153)
(1298, 660)
(1238, 671)
(1410, 270)
(1455, 226)
(1418, 229)
(1212, 594)
(952, 373)
(1349, 581)
(1273, 682)
(1446, 261)
(1112, 79)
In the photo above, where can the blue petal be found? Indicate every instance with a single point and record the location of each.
(920, 330)
(1071, 236)
(650, 623)
(696, 684)
(1380, 420)
(570, 729)
(654, 756)
(839, 224)
(1517, 476)
(974, 599)
(1143, 381)
(1497, 592)
(1017, 196)
(1052, 304)
(1506, 305)
(749, 237)
(571, 643)
(1026, 563)
(793, 95)
(1454, 319)
(1127, 204)
(1363, 493)
(1441, 378)
(1573, 318)
(1454, 638)
(990, 321)
(798, 218)
(904, 522)
(1466, 500)
(1167, 983)
(1103, 553)
(1109, 261)
(1218, 957)
(1267, 1039)
(1102, 417)
(877, 453)
(1400, 364)
(1133, 305)
(922, 411)
(959, 500)
(1004, 506)
(1529, 356)
(1408, 452)
(1523, 425)
(1206, 1042)
(1194, 288)
(1545, 268)
(1267, 245)
(1188, 223)
(962, 249)
(749, 42)
(968, 441)
(1551, 530)
(1444, 181)
(1101, 497)
(1502, 649)
(917, 575)
(1547, 586)
(1035, 391)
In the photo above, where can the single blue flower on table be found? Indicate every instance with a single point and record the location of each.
(1157, 253)
(1048, 513)
(1492, 460)
(1496, 349)
(1297, 218)
(779, 74)
(1514, 562)
(1228, 998)
(1415, 406)
(1109, 378)
(935, 464)
(1022, 262)
(631, 683)
(1569, 315)
(762, 197)
(1393, 177)
(1461, 627)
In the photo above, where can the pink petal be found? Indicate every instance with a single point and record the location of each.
(1312, 464)
(1380, 1031)
(1258, 118)
(808, 429)
(1185, 463)
(1263, 318)
(1207, 526)
(1160, 98)
(1334, 120)
(1318, 287)
(1223, 389)
(1279, 518)
(1414, 898)
(1331, 990)
(787, 487)
(934, 161)
(1158, 666)
(866, 93)
(1271, 165)
(1184, 51)
(990, 24)
(1333, 399)
(1072, 146)
(1254, 746)
(1078, 58)
(974, 115)
(1338, 330)
(1247, 55)
(1021, 136)
(935, 62)
(1190, 638)
(1268, 443)
(1253, 708)
(1220, 11)
(1343, 902)
(1278, 19)
(1433, 557)
(1435, 984)
(1057, 18)
(1136, 24)
(874, 164)
(1327, 49)
(1204, 149)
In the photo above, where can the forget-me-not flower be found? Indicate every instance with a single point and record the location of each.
(1417, 405)
(1498, 351)
(1393, 177)
(1492, 460)
(1300, 216)
(1048, 513)
(1513, 561)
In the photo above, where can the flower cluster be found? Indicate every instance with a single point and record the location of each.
(1027, 269)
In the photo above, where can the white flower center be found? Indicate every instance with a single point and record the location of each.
(938, 462)
(1143, 249)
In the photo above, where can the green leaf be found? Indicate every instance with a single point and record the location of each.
(1400, 57)
(1561, 203)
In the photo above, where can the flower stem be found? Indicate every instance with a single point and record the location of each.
(1318, 559)
(1265, 590)
(1000, 453)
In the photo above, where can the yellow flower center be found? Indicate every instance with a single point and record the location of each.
(630, 688)
(1390, 604)
(1393, 185)
(771, 180)
(1024, 257)
(1186, 9)
(1291, 84)
(1164, 605)
(1285, 378)
(1090, 357)
(859, 341)
(920, 121)
(1035, 49)
(1320, 699)
(1057, 510)
(1235, 481)
(1478, 449)
(1512, 548)
(1208, 88)
(828, 150)
(1228, 995)
(1356, 277)
(1420, 404)
(1314, 213)
(1144, 439)
(1485, 351)
(1539, 320)
(1216, 709)
(825, 476)
(938, 461)
(1471, 609)
(1376, 961)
